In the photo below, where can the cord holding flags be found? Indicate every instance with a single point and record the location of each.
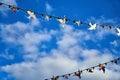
(63, 21)
(101, 66)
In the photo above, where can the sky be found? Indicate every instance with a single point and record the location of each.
(38, 49)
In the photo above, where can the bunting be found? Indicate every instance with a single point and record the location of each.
(77, 22)
(78, 74)
(92, 26)
(118, 31)
(14, 9)
(1, 4)
(102, 67)
(90, 70)
(31, 14)
(63, 21)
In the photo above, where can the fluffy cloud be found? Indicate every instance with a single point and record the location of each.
(60, 64)
(69, 55)
(115, 43)
(7, 56)
(49, 8)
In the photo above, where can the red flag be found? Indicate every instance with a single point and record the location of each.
(78, 74)
(14, 9)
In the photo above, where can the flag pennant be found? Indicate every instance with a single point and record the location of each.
(14, 9)
(115, 61)
(118, 31)
(106, 27)
(47, 17)
(1, 4)
(101, 67)
(65, 76)
(62, 21)
(90, 70)
(92, 26)
(105, 63)
(77, 22)
(31, 14)
(93, 68)
(78, 74)
(52, 78)
(56, 78)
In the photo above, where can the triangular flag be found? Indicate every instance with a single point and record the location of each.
(78, 74)
(77, 22)
(62, 21)
(65, 76)
(102, 67)
(118, 31)
(93, 68)
(47, 17)
(90, 70)
(92, 26)
(105, 63)
(115, 61)
(14, 9)
(31, 14)
(107, 27)
(53, 78)
(1, 3)
(56, 78)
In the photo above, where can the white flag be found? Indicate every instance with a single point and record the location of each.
(92, 26)
(31, 15)
(118, 31)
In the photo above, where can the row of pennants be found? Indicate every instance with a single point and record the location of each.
(63, 21)
(79, 73)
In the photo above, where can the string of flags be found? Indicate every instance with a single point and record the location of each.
(63, 21)
(79, 73)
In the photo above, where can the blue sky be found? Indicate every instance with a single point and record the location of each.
(38, 49)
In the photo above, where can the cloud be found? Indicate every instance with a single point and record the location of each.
(70, 53)
(49, 8)
(4, 9)
(114, 43)
(63, 59)
(40, 69)
(7, 56)
(60, 64)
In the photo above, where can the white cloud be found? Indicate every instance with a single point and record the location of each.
(4, 9)
(49, 8)
(114, 43)
(23, 34)
(41, 69)
(7, 56)
(65, 58)
(60, 64)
